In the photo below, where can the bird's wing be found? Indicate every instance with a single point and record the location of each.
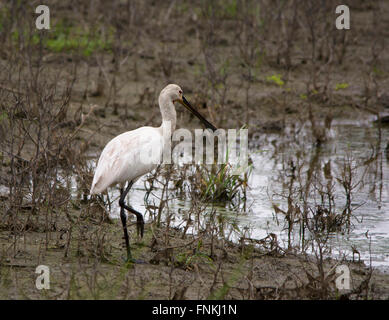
(127, 157)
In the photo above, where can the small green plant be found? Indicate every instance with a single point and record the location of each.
(303, 96)
(188, 259)
(230, 8)
(216, 183)
(3, 116)
(276, 79)
(69, 39)
(220, 184)
(73, 38)
(378, 71)
(340, 86)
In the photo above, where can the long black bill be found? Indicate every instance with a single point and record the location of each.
(187, 105)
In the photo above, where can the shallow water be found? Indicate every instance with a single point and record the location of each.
(356, 140)
(370, 199)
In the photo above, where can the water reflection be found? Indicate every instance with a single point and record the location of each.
(359, 143)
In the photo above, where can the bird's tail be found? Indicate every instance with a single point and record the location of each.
(93, 189)
(96, 187)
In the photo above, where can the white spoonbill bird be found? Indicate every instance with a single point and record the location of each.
(126, 157)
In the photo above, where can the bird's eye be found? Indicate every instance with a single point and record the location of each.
(180, 92)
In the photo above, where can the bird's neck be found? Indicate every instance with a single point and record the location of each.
(168, 111)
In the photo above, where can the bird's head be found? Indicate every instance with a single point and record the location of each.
(175, 93)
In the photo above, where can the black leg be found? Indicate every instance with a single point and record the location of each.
(139, 217)
(124, 222)
(140, 224)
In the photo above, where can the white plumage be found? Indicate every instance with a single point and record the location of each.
(132, 154)
(121, 160)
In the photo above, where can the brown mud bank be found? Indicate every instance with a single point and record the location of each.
(86, 261)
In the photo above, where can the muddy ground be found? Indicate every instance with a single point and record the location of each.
(235, 76)
(181, 270)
